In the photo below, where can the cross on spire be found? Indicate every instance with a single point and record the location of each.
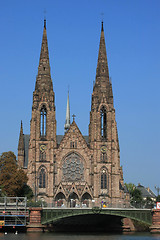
(73, 117)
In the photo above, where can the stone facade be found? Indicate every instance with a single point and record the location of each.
(73, 170)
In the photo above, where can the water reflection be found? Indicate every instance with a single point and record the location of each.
(55, 236)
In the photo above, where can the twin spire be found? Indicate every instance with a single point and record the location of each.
(44, 81)
(102, 72)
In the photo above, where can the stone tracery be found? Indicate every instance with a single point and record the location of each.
(73, 169)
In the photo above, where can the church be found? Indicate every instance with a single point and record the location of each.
(73, 170)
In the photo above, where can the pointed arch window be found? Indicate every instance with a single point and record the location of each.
(103, 123)
(103, 157)
(42, 178)
(43, 121)
(104, 180)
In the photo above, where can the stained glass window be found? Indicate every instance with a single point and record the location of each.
(73, 169)
(43, 121)
(103, 123)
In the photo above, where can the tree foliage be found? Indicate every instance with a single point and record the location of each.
(130, 187)
(136, 199)
(135, 195)
(26, 191)
(12, 179)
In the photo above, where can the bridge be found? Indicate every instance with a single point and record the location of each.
(41, 218)
(53, 215)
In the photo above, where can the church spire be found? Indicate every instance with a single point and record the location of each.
(67, 122)
(21, 140)
(102, 72)
(44, 81)
(103, 85)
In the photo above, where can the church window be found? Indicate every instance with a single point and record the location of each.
(43, 121)
(42, 156)
(42, 178)
(103, 157)
(103, 179)
(103, 123)
(73, 169)
(73, 144)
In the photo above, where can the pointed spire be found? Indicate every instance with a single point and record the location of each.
(43, 81)
(45, 23)
(102, 30)
(21, 140)
(67, 122)
(102, 72)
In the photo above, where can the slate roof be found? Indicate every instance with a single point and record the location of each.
(146, 192)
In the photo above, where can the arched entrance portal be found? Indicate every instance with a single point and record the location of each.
(86, 200)
(60, 200)
(73, 200)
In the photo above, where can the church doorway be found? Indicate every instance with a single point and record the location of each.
(60, 200)
(86, 200)
(73, 200)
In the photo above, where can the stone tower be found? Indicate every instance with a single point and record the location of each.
(72, 169)
(103, 136)
(42, 141)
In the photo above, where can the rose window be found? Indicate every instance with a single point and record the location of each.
(72, 168)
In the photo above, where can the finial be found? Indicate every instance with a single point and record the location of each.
(45, 18)
(73, 117)
(102, 27)
(21, 124)
(45, 23)
(102, 14)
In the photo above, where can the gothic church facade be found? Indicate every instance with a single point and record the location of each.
(73, 170)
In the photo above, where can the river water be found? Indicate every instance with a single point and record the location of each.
(60, 236)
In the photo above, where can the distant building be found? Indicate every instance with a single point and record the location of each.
(146, 192)
(72, 169)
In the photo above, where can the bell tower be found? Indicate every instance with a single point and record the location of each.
(103, 136)
(42, 142)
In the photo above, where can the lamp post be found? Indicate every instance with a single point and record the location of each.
(157, 189)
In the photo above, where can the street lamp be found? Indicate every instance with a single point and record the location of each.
(157, 189)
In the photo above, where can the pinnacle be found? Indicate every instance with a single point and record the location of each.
(102, 30)
(43, 81)
(102, 65)
(67, 122)
(102, 83)
(21, 141)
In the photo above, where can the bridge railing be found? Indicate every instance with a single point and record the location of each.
(91, 205)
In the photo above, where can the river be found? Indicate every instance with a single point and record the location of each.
(62, 236)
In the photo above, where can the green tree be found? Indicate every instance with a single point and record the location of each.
(26, 191)
(135, 195)
(136, 198)
(130, 187)
(12, 179)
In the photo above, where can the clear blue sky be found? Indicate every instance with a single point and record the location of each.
(132, 33)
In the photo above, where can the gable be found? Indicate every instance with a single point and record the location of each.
(73, 138)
